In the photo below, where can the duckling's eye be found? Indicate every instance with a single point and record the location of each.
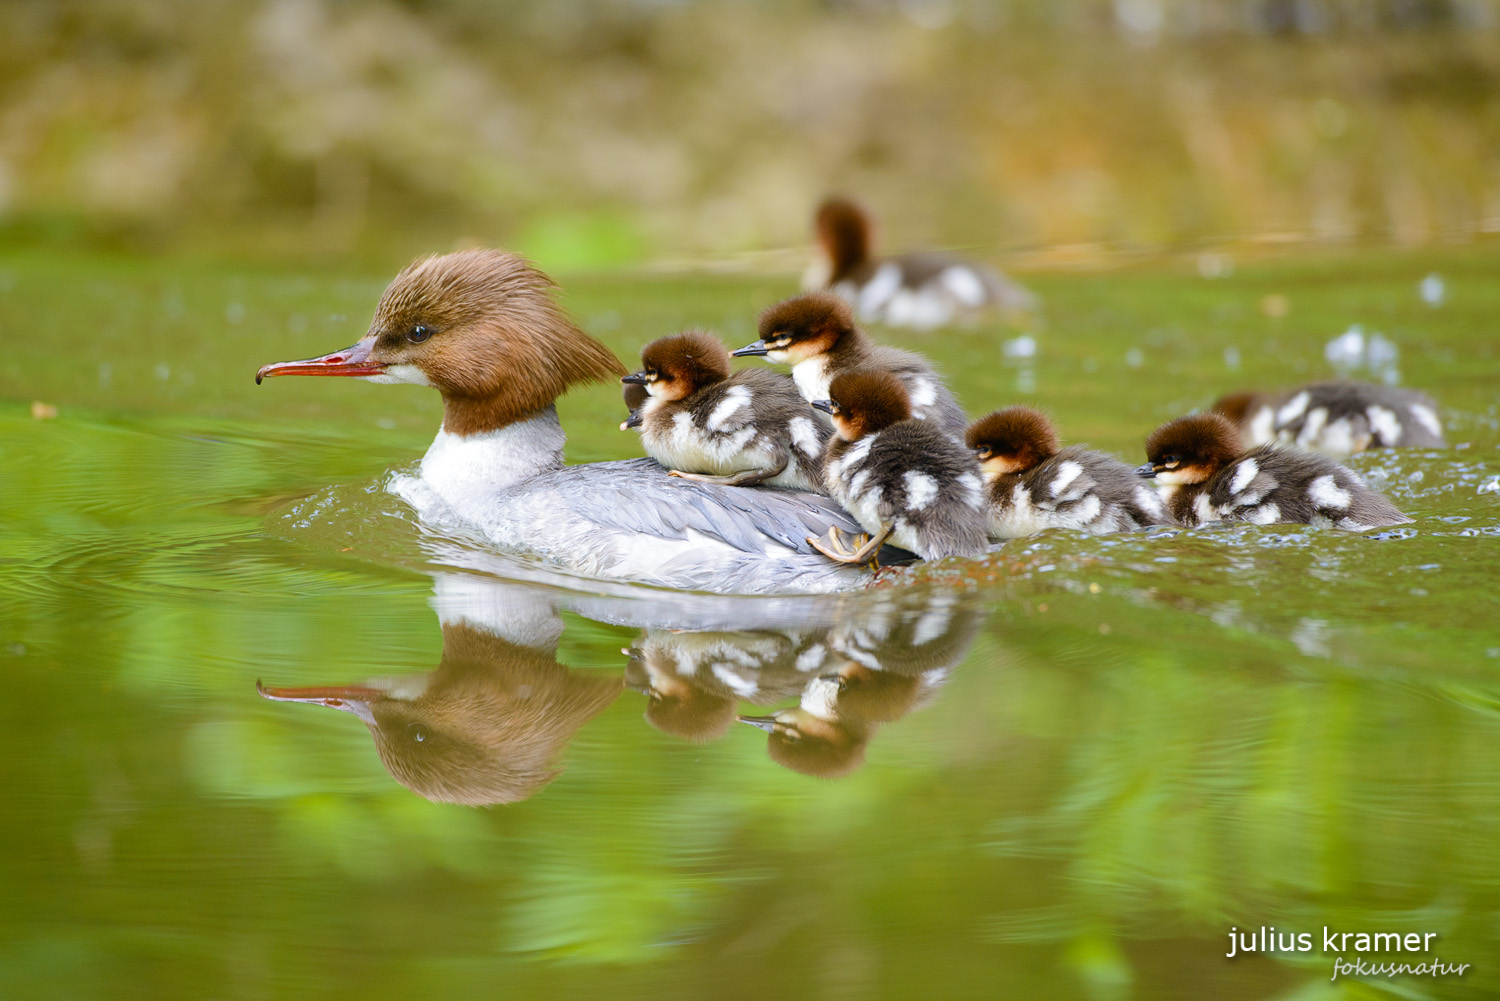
(652, 374)
(984, 452)
(419, 333)
(1169, 460)
(418, 732)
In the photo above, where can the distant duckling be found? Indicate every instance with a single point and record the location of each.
(922, 290)
(902, 479)
(635, 397)
(1210, 477)
(1033, 486)
(1337, 418)
(817, 336)
(704, 423)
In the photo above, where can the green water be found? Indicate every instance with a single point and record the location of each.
(1104, 754)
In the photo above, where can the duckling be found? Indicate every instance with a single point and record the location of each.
(1033, 486)
(635, 397)
(911, 290)
(1210, 477)
(901, 478)
(705, 424)
(1336, 418)
(817, 336)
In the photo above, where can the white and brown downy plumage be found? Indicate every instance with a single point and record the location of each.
(817, 336)
(1034, 485)
(1210, 477)
(902, 479)
(1336, 418)
(705, 423)
(923, 290)
(481, 327)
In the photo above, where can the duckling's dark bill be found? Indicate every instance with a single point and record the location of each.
(756, 349)
(1147, 470)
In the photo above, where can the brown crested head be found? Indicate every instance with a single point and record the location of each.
(1191, 449)
(480, 326)
(679, 365)
(864, 402)
(1235, 406)
(844, 234)
(1012, 440)
(804, 326)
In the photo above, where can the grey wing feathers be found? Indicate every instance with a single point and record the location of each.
(636, 495)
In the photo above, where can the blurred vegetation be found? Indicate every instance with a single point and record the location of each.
(592, 133)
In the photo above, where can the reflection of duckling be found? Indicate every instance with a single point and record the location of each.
(706, 424)
(695, 679)
(810, 744)
(1034, 485)
(911, 290)
(901, 479)
(1336, 418)
(1210, 477)
(817, 336)
(485, 727)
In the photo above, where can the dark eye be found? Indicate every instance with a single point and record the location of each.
(419, 333)
(1170, 460)
(418, 732)
(652, 373)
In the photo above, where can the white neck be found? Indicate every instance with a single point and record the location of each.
(465, 469)
(811, 377)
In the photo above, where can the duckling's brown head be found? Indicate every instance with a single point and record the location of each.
(844, 235)
(802, 327)
(1190, 449)
(481, 327)
(864, 402)
(635, 397)
(676, 367)
(1236, 406)
(1012, 440)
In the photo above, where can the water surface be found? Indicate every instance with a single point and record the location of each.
(1066, 771)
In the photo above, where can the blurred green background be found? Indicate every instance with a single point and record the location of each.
(589, 134)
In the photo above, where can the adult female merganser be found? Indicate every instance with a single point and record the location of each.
(480, 326)
(1034, 486)
(817, 336)
(902, 479)
(910, 290)
(1336, 418)
(704, 423)
(1210, 477)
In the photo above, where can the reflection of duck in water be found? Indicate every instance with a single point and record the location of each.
(488, 724)
(888, 662)
(696, 680)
